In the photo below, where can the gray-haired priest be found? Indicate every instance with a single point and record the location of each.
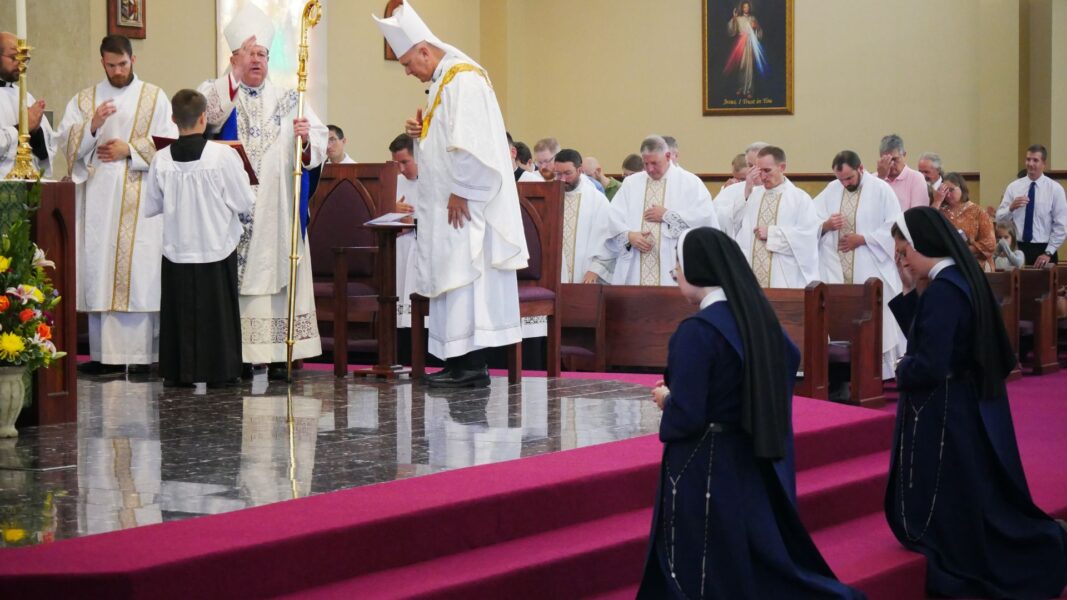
(470, 234)
(244, 105)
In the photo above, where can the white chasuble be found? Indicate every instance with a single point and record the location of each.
(119, 250)
(874, 215)
(469, 273)
(688, 205)
(789, 257)
(585, 226)
(265, 128)
(730, 208)
(9, 132)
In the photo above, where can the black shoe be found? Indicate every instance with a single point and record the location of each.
(138, 369)
(97, 368)
(276, 372)
(462, 378)
(442, 374)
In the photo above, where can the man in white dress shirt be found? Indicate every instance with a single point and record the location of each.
(1039, 209)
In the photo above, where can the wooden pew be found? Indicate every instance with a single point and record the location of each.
(640, 321)
(582, 318)
(857, 321)
(1005, 286)
(803, 315)
(1037, 304)
(1061, 329)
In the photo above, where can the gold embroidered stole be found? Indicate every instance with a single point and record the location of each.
(141, 143)
(86, 102)
(850, 203)
(572, 203)
(449, 75)
(655, 194)
(761, 256)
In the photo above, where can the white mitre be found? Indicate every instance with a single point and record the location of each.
(404, 29)
(249, 21)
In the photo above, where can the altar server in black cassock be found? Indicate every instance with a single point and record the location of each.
(725, 523)
(200, 188)
(957, 492)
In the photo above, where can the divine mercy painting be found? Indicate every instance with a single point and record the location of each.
(748, 57)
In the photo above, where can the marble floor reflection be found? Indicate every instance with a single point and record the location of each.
(141, 453)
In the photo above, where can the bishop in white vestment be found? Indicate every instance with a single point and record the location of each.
(42, 138)
(779, 233)
(649, 212)
(106, 134)
(245, 105)
(470, 234)
(857, 211)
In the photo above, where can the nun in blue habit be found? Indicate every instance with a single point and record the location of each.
(725, 523)
(957, 492)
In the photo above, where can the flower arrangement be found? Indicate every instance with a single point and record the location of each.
(27, 298)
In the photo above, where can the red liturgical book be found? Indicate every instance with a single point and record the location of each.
(163, 142)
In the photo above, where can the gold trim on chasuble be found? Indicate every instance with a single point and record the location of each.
(86, 101)
(572, 204)
(455, 70)
(131, 199)
(850, 204)
(655, 193)
(761, 256)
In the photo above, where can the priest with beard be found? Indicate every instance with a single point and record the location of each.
(779, 230)
(648, 214)
(857, 211)
(469, 230)
(245, 105)
(106, 134)
(585, 216)
(42, 141)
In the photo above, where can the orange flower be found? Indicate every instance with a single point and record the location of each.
(44, 331)
(4, 303)
(27, 314)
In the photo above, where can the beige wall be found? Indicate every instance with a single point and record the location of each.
(601, 74)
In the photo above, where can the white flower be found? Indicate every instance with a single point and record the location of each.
(39, 260)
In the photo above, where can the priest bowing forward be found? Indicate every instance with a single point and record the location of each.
(857, 211)
(246, 106)
(106, 133)
(649, 212)
(779, 230)
(470, 235)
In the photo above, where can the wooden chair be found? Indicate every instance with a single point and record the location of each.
(1005, 286)
(539, 283)
(343, 254)
(1037, 305)
(803, 315)
(856, 330)
(583, 323)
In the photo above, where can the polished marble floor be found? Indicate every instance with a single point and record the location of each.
(141, 453)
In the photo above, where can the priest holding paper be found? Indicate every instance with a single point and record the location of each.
(779, 233)
(106, 133)
(42, 140)
(857, 211)
(470, 234)
(244, 105)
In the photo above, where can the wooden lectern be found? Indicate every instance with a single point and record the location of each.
(53, 230)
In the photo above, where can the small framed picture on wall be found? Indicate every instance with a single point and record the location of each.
(126, 17)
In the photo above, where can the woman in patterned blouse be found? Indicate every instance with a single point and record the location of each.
(953, 199)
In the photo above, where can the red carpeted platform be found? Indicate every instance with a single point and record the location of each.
(567, 524)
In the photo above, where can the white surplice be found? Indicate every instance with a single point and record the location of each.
(585, 231)
(874, 217)
(119, 251)
(688, 203)
(9, 132)
(469, 273)
(792, 236)
(730, 208)
(407, 254)
(265, 128)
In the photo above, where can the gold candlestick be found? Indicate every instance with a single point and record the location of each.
(23, 168)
